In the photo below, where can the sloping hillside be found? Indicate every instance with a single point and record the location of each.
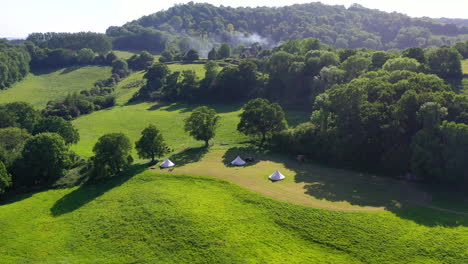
(40, 87)
(156, 218)
(353, 27)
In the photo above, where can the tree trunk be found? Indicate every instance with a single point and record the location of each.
(207, 144)
(263, 140)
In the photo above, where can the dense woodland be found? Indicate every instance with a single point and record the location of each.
(195, 25)
(14, 63)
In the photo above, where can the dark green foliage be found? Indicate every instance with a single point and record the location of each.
(156, 78)
(171, 53)
(18, 114)
(45, 158)
(5, 178)
(112, 155)
(454, 152)
(224, 51)
(120, 67)
(12, 140)
(402, 64)
(355, 66)
(262, 119)
(202, 124)
(97, 42)
(85, 56)
(151, 144)
(445, 62)
(55, 124)
(386, 121)
(75, 104)
(462, 48)
(213, 54)
(14, 64)
(187, 88)
(192, 55)
(110, 57)
(355, 27)
(233, 84)
(140, 62)
(379, 58)
(416, 53)
(138, 38)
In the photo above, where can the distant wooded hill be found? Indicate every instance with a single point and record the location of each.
(353, 27)
(456, 21)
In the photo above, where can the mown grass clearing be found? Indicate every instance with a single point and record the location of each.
(132, 119)
(124, 54)
(465, 71)
(39, 88)
(161, 218)
(465, 66)
(198, 68)
(306, 183)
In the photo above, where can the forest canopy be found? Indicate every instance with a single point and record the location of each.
(353, 27)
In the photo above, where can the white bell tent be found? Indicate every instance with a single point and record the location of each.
(238, 162)
(167, 164)
(277, 176)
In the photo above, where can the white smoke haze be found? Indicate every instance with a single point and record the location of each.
(204, 45)
(249, 39)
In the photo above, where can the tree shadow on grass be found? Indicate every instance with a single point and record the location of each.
(71, 69)
(295, 118)
(405, 199)
(190, 155)
(186, 108)
(244, 152)
(91, 190)
(43, 71)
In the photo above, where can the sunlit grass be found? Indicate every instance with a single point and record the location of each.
(39, 88)
(160, 218)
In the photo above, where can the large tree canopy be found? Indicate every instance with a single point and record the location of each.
(151, 143)
(202, 123)
(112, 154)
(45, 158)
(260, 118)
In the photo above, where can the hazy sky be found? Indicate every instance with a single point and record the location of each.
(18, 18)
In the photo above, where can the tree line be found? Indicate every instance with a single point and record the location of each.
(353, 27)
(35, 149)
(97, 42)
(14, 63)
(369, 109)
(51, 50)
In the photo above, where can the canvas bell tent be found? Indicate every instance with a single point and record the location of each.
(238, 162)
(167, 164)
(277, 176)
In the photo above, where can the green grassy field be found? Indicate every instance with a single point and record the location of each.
(154, 216)
(145, 217)
(39, 88)
(124, 54)
(198, 68)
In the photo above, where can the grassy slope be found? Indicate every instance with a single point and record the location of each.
(38, 89)
(124, 54)
(307, 184)
(156, 218)
(160, 218)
